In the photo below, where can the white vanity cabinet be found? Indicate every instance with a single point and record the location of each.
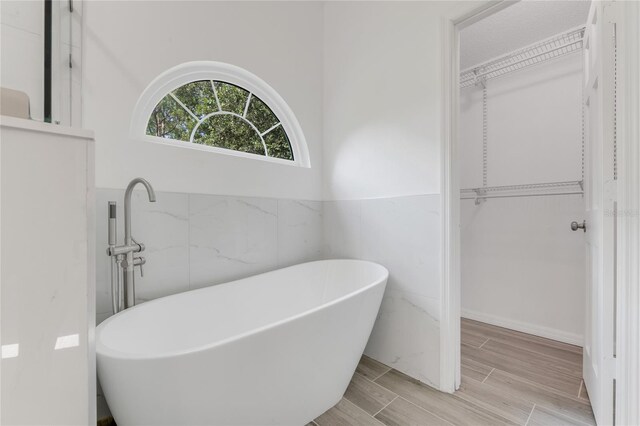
(47, 274)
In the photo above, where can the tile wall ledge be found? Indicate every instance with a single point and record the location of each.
(391, 197)
(160, 190)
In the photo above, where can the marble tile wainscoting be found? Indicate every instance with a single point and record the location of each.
(403, 234)
(195, 240)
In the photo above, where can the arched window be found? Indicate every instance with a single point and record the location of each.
(222, 108)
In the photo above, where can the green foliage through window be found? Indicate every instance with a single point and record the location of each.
(223, 115)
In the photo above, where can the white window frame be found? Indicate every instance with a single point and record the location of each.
(178, 76)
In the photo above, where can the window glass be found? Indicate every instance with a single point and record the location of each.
(230, 132)
(170, 120)
(222, 115)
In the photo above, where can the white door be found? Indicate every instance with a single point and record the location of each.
(600, 198)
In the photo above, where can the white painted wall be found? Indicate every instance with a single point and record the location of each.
(381, 153)
(534, 126)
(522, 266)
(279, 42)
(383, 91)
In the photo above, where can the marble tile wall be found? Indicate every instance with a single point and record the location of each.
(195, 240)
(402, 234)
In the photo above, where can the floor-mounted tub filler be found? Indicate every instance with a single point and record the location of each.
(274, 349)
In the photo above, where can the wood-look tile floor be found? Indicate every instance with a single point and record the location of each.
(507, 378)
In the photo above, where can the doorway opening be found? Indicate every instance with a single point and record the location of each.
(520, 162)
(611, 104)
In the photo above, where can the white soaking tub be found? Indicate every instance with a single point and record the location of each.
(274, 349)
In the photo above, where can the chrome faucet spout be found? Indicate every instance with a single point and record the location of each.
(129, 282)
(147, 185)
(127, 204)
(123, 259)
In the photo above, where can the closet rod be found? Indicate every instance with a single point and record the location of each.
(519, 195)
(553, 47)
(480, 75)
(526, 186)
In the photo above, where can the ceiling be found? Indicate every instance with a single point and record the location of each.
(518, 25)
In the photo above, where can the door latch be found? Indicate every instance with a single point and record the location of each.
(575, 225)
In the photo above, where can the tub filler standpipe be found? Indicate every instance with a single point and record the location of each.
(123, 261)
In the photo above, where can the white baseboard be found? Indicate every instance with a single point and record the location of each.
(536, 330)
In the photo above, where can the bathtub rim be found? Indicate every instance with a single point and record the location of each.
(103, 350)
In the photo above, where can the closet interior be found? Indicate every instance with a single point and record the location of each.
(521, 144)
(521, 162)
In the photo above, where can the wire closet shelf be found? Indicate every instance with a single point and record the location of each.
(526, 190)
(553, 47)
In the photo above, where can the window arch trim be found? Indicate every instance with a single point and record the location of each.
(182, 74)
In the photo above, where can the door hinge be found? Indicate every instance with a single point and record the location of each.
(613, 419)
(70, 61)
(71, 6)
(610, 190)
(613, 368)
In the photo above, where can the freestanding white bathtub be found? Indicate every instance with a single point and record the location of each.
(273, 349)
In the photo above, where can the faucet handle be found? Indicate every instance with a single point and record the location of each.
(139, 261)
(140, 245)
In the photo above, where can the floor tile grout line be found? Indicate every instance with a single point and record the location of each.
(543, 406)
(545, 388)
(485, 379)
(471, 401)
(550, 390)
(567, 364)
(506, 340)
(416, 405)
(389, 403)
(357, 407)
(376, 383)
(547, 373)
(569, 416)
(561, 371)
(395, 396)
(551, 356)
(374, 380)
(553, 391)
(464, 360)
(481, 328)
(530, 414)
(533, 352)
(424, 409)
(406, 400)
(541, 353)
(580, 388)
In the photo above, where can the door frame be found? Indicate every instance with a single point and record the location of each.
(628, 242)
(450, 189)
(627, 371)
